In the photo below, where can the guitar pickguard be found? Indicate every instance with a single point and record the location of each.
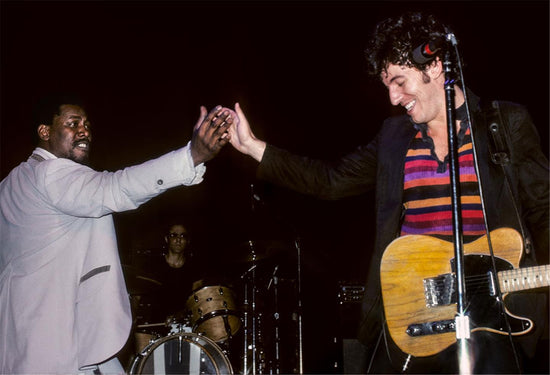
(482, 307)
(482, 302)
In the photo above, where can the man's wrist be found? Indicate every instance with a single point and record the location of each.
(256, 149)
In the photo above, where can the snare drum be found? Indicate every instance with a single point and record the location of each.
(142, 339)
(182, 353)
(213, 312)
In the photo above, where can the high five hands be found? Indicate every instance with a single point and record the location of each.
(220, 126)
(242, 138)
(210, 133)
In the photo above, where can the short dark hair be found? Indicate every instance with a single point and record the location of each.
(48, 106)
(170, 220)
(395, 39)
(174, 223)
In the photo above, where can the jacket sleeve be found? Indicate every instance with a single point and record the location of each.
(80, 191)
(532, 170)
(352, 174)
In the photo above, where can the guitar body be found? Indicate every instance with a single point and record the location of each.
(422, 329)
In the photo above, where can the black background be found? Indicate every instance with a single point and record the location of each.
(297, 69)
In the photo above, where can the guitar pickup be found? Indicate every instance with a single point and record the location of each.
(440, 290)
(431, 328)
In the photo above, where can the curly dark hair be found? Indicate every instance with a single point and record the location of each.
(394, 40)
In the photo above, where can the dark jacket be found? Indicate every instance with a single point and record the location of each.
(379, 165)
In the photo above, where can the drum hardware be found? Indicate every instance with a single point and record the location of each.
(227, 327)
(299, 310)
(213, 312)
(275, 280)
(178, 327)
(146, 333)
(250, 349)
(260, 251)
(270, 354)
(248, 271)
(257, 358)
(143, 339)
(182, 353)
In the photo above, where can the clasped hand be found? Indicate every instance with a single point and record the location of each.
(210, 133)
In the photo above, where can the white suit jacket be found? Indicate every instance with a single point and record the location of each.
(63, 300)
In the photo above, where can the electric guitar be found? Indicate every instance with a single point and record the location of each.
(419, 288)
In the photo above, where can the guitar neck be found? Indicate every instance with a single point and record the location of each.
(524, 278)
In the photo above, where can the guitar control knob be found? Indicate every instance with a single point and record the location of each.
(414, 330)
(439, 327)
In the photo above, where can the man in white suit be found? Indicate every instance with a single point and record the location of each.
(64, 307)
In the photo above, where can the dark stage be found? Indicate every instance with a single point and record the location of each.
(297, 69)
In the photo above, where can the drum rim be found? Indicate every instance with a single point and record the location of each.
(216, 313)
(219, 286)
(195, 337)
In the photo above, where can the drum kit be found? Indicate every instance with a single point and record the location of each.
(192, 345)
(224, 329)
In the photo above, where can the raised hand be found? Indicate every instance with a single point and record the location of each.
(242, 138)
(210, 133)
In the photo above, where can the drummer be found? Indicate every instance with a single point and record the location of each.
(179, 272)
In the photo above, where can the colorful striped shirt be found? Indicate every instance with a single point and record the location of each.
(427, 192)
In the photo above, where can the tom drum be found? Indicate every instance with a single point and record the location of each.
(213, 312)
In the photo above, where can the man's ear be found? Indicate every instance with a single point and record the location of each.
(43, 132)
(435, 69)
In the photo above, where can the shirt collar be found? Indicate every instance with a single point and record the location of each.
(45, 154)
(461, 115)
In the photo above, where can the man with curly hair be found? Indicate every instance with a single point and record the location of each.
(407, 164)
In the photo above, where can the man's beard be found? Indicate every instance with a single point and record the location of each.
(83, 159)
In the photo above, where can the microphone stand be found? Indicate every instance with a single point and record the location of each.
(462, 323)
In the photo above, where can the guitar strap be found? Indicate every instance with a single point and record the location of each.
(501, 154)
(500, 150)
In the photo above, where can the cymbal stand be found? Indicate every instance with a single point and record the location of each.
(253, 335)
(245, 321)
(253, 309)
(276, 366)
(299, 312)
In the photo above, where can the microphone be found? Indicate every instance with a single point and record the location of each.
(426, 52)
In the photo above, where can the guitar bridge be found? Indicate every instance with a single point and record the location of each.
(440, 290)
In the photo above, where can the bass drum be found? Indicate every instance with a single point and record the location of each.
(182, 353)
